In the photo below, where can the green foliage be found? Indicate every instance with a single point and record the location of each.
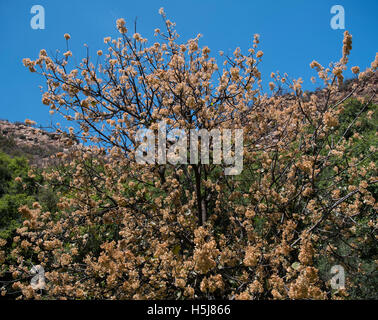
(14, 194)
(358, 125)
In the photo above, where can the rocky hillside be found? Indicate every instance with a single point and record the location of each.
(19, 139)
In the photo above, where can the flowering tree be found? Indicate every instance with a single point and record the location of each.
(126, 230)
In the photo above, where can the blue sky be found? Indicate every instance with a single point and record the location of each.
(293, 33)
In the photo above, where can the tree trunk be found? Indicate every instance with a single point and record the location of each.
(201, 203)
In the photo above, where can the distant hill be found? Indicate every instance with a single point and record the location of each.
(37, 145)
